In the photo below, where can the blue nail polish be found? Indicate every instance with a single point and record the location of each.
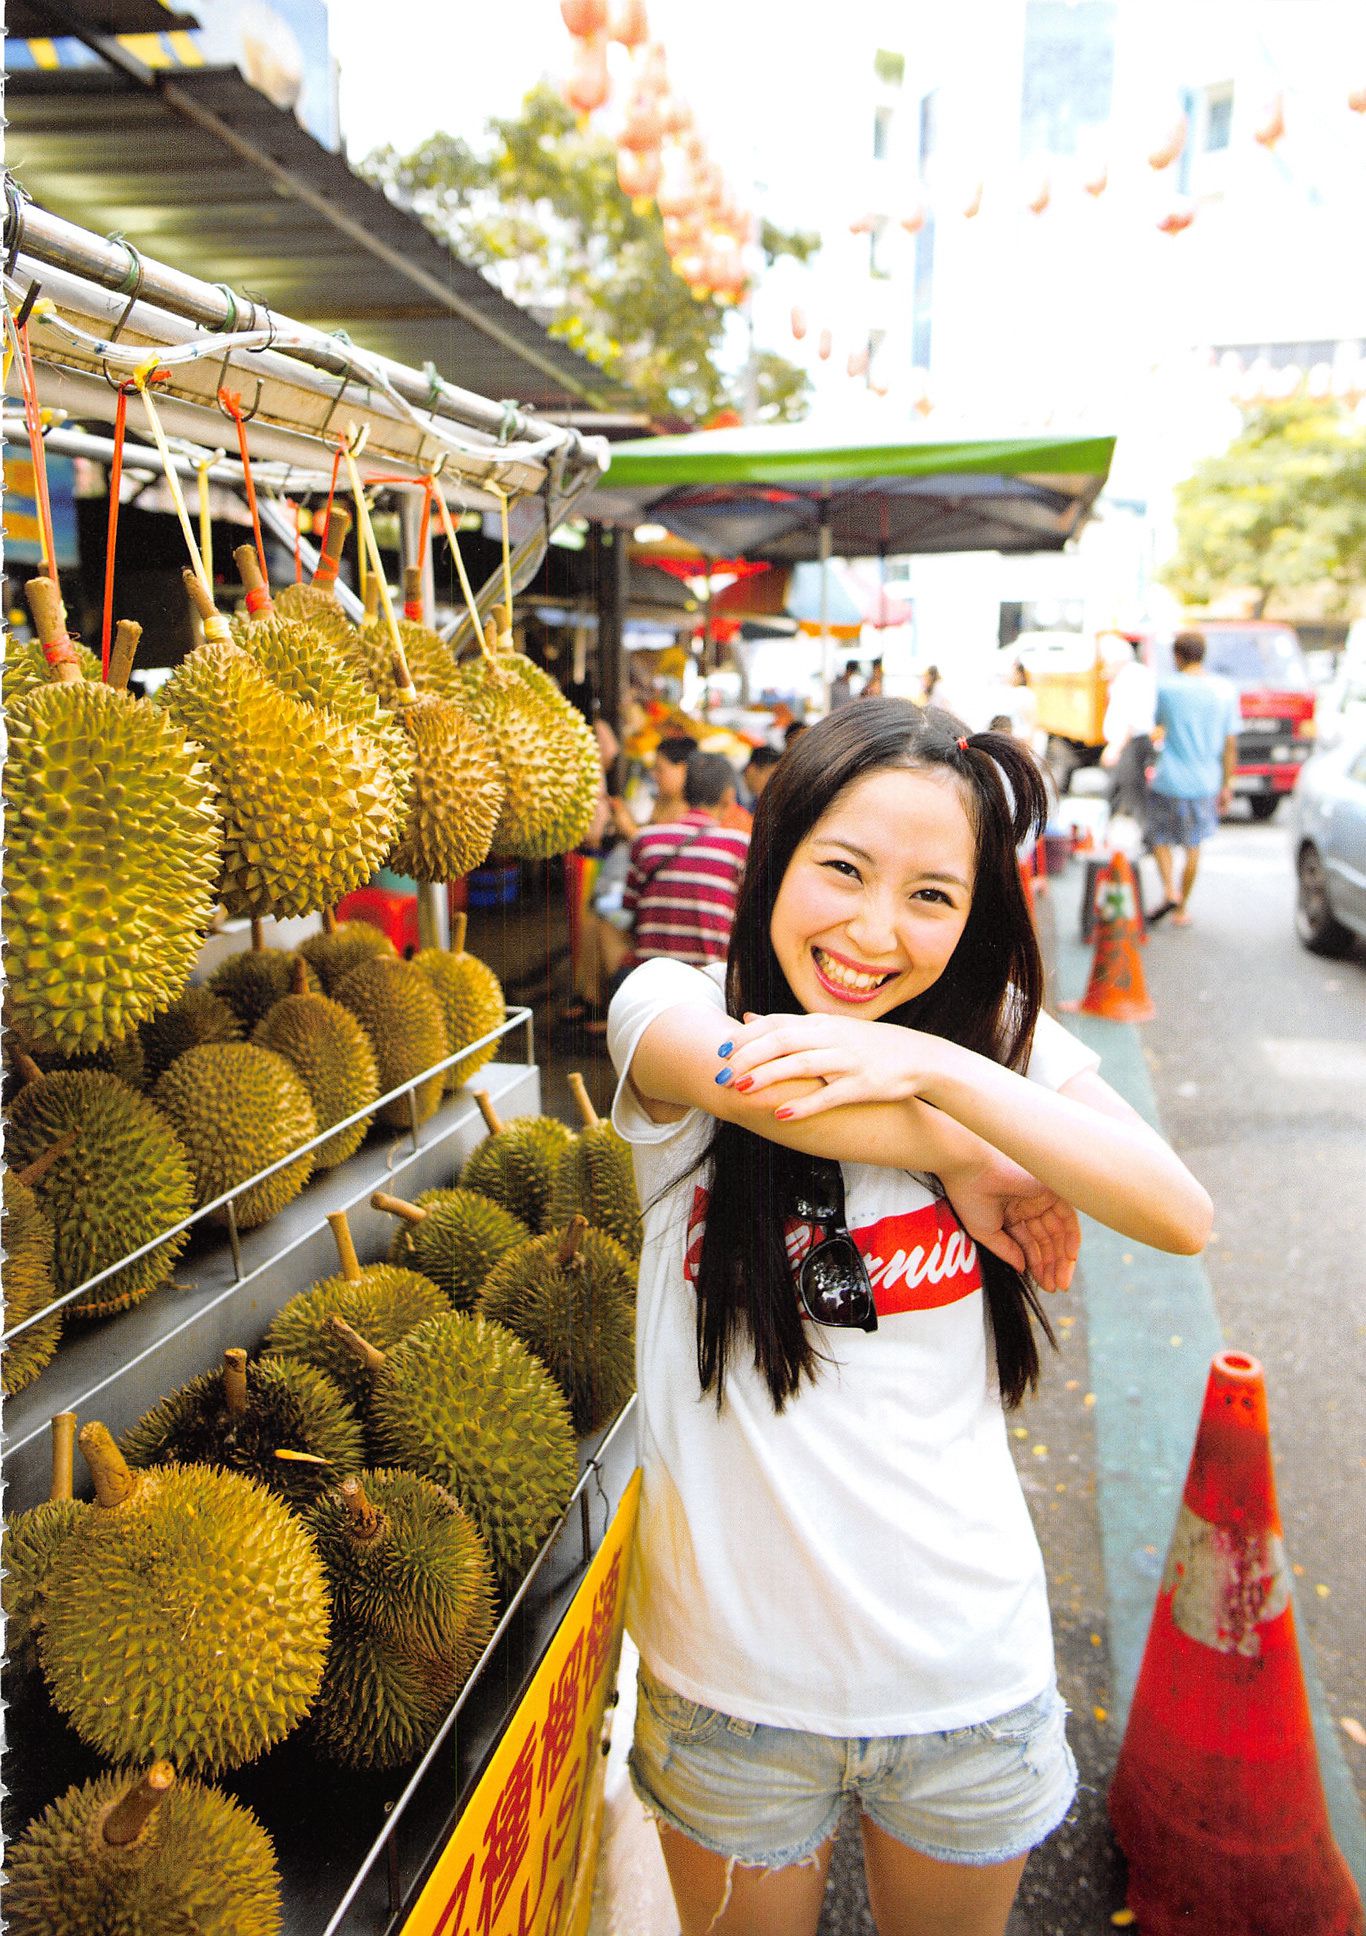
(724, 1077)
(725, 1048)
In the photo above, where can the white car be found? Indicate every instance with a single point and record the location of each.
(1328, 846)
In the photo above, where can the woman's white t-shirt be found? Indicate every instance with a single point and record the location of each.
(862, 1563)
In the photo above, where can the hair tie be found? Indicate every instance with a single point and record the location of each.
(962, 746)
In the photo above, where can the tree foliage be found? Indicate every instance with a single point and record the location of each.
(1282, 511)
(537, 205)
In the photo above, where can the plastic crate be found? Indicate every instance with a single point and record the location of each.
(490, 887)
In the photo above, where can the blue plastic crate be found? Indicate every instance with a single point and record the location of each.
(489, 887)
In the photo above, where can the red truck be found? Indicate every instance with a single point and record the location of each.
(1264, 661)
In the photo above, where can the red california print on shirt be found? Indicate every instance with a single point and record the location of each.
(918, 1260)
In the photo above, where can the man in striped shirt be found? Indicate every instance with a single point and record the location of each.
(685, 874)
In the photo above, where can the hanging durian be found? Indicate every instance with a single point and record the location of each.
(237, 1109)
(251, 980)
(318, 602)
(430, 663)
(194, 1017)
(455, 1237)
(29, 1285)
(30, 1540)
(457, 791)
(113, 853)
(124, 1059)
(596, 1177)
(471, 1000)
(309, 806)
(26, 666)
(384, 1302)
(330, 1053)
(397, 1007)
(156, 1856)
(516, 1163)
(412, 1599)
(244, 1419)
(466, 1404)
(342, 946)
(187, 1615)
(124, 1179)
(571, 1298)
(546, 748)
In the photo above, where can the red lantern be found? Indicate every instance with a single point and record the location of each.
(709, 187)
(681, 234)
(629, 25)
(642, 129)
(798, 322)
(1097, 179)
(674, 114)
(915, 217)
(652, 68)
(1272, 124)
(1170, 146)
(825, 345)
(584, 17)
(691, 266)
(1040, 196)
(638, 174)
(1177, 218)
(676, 194)
(588, 85)
(972, 207)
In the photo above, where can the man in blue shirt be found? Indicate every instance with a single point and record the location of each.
(1197, 717)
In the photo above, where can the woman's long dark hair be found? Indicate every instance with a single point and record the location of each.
(986, 999)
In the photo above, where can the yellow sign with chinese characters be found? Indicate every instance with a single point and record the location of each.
(512, 1866)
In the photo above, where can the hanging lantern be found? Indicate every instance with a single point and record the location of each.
(638, 174)
(1096, 179)
(915, 217)
(681, 233)
(691, 265)
(675, 116)
(588, 85)
(972, 207)
(709, 187)
(798, 322)
(1272, 124)
(857, 364)
(1356, 100)
(584, 17)
(629, 25)
(728, 277)
(642, 129)
(1039, 196)
(1178, 217)
(676, 195)
(652, 68)
(825, 345)
(1170, 146)
(694, 147)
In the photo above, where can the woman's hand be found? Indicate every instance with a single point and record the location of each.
(1011, 1214)
(858, 1062)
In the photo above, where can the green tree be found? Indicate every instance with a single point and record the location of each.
(1282, 511)
(538, 205)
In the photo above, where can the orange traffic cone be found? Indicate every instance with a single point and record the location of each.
(1217, 1800)
(1116, 989)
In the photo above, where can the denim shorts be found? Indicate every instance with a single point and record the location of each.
(769, 1797)
(1173, 822)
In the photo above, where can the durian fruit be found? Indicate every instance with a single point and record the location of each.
(471, 998)
(463, 1402)
(571, 1299)
(253, 979)
(281, 1423)
(546, 748)
(455, 1237)
(412, 1610)
(124, 1059)
(26, 666)
(385, 1302)
(457, 791)
(428, 660)
(194, 1017)
(318, 602)
(342, 946)
(238, 1109)
(595, 1176)
(30, 1540)
(28, 1282)
(309, 806)
(516, 1164)
(112, 856)
(124, 1178)
(397, 1007)
(330, 1053)
(187, 1615)
(155, 1856)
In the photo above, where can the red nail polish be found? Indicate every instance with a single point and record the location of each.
(783, 1113)
(745, 1082)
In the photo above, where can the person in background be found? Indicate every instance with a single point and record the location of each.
(872, 685)
(930, 684)
(759, 771)
(1128, 731)
(668, 770)
(1197, 717)
(842, 686)
(684, 878)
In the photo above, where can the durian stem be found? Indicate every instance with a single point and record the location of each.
(338, 525)
(216, 628)
(570, 1239)
(367, 1521)
(491, 641)
(33, 1172)
(258, 934)
(403, 678)
(235, 1380)
(329, 920)
(49, 622)
(412, 592)
(346, 1249)
(63, 1456)
(372, 1360)
(298, 983)
(24, 1066)
(579, 1090)
(412, 1213)
(259, 602)
(131, 1813)
(113, 1481)
(126, 636)
(459, 929)
(492, 1121)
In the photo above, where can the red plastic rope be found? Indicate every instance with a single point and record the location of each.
(38, 452)
(231, 402)
(297, 509)
(111, 536)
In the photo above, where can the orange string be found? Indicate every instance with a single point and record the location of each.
(298, 542)
(111, 536)
(231, 401)
(38, 452)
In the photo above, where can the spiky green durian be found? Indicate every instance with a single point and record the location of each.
(110, 868)
(412, 1597)
(463, 1402)
(194, 1017)
(455, 1237)
(397, 1007)
(29, 1287)
(253, 979)
(30, 1540)
(547, 751)
(200, 1864)
(457, 792)
(238, 1109)
(26, 666)
(125, 1178)
(330, 1053)
(309, 806)
(187, 1615)
(243, 1417)
(124, 1059)
(341, 947)
(471, 998)
(571, 1298)
(516, 1163)
(596, 1178)
(430, 662)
